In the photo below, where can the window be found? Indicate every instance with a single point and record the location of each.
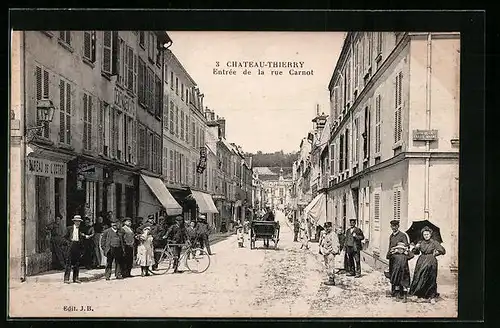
(398, 106)
(193, 134)
(42, 91)
(142, 39)
(177, 85)
(346, 150)
(341, 154)
(370, 48)
(377, 124)
(177, 121)
(165, 162)
(141, 75)
(182, 125)
(87, 121)
(356, 140)
(89, 43)
(65, 37)
(376, 220)
(186, 130)
(105, 125)
(171, 170)
(142, 145)
(158, 96)
(172, 80)
(107, 52)
(131, 59)
(172, 125)
(114, 132)
(181, 169)
(366, 134)
(151, 46)
(65, 107)
(119, 135)
(347, 84)
(165, 114)
(356, 64)
(397, 203)
(150, 91)
(380, 42)
(182, 91)
(151, 151)
(187, 96)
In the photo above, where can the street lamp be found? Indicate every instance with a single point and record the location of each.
(44, 113)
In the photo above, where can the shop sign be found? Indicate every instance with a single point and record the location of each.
(87, 171)
(425, 135)
(123, 100)
(38, 166)
(202, 164)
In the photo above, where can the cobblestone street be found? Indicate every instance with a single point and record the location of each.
(286, 282)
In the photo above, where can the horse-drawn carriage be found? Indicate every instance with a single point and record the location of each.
(265, 230)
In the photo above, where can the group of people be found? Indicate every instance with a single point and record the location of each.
(100, 246)
(424, 283)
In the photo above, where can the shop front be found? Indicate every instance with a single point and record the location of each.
(45, 199)
(205, 205)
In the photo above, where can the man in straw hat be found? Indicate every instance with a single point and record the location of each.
(329, 246)
(128, 247)
(353, 238)
(74, 237)
(397, 270)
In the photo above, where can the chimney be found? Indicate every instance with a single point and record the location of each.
(222, 127)
(317, 109)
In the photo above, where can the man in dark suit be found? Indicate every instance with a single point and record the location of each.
(73, 237)
(176, 234)
(353, 238)
(128, 245)
(203, 232)
(157, 231)
(113, 246)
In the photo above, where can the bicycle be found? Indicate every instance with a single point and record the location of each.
(196, 260)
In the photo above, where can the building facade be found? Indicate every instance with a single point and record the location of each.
(277, 185)
(394, 136)
(86, 160)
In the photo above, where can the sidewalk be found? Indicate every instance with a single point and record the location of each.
(96, 274)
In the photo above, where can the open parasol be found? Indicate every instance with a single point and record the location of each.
(415, 233)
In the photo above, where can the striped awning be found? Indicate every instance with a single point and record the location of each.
(164, 196)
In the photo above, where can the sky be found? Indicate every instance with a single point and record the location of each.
(263, 112)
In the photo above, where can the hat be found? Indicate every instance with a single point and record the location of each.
(202, 216)
(126, 219)
(77, 218)
(353, 219)
(328, 224)
(179, 218)
(113, 220)
(394, 222)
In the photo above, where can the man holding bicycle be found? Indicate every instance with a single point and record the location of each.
(176, 235)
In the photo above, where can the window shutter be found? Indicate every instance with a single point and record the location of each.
(130, 72)
(87, 40)
(398, 204)
(39, 86)
(62, 113)
(85, 118)
(68, 113)
(115, 63)
(100, 134)
(379, 43)
(396, 115)
(134, 87)
(377, 124)
(122, 63)
(376, 216)
(106, 52)
(140, 85)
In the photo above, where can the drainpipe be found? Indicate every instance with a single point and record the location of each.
(23, 166)
(428, 124)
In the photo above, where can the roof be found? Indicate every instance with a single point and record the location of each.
(272, 173)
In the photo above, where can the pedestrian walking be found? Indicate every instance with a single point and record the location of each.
(112, 242)
(304, 235)
(98, 229)
(176, 235)
(330, 247)
(424, 284)
(203, 233)
(145, 249)
(240, 235)
(128, 247)
(353, 239)
(399, 271)
(74, 237)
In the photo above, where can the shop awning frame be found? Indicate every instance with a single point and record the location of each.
(316, 210)
(204, 201)
(161, 192)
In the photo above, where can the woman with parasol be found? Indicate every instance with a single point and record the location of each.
(424, 283)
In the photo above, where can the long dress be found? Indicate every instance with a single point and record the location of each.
(145, 250)
(399, 269)
(57, 246)
(424, 284)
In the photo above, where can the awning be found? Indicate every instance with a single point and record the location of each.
(204, 202)
(164, 196)
(316, 210)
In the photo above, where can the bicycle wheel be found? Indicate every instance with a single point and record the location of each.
(197, 260)
(164, 263)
